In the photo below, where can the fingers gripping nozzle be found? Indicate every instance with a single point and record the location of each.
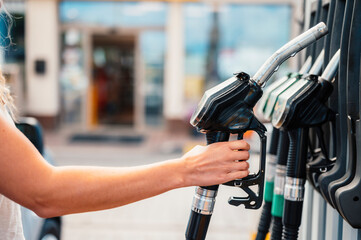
(254, 199)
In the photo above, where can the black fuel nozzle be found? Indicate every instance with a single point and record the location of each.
(320, 162)
(301, 107)
(228, 108)
(234, 114)
(225, 109)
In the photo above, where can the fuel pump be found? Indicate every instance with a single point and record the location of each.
(338, 99)
(300, 107)
(319, 163)
(329, 180)
(227, 108)
(337, 102)
(348, 196)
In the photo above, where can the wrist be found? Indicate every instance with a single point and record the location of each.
(180, 173)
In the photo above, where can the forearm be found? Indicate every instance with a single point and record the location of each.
(82, 189)
(49, 191)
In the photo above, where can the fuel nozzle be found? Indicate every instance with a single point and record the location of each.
(220, 106)
(299, 108)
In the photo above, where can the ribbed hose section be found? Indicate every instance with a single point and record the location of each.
(265, 221)
(292, 151)
(277, 228)
(290, 233)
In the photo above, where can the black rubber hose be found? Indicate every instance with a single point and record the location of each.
(294, 189)
(292, 153)
(277, 228)
(266, 217)
(290, 233)
(291, 219)
(265, 221)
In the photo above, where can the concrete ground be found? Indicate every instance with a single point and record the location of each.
(161, 217)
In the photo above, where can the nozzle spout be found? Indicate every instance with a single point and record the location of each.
(288, 50)
(317, 65)
(332, 67)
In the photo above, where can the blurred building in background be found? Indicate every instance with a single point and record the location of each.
(137, 64)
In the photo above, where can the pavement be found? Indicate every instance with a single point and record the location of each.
(161, 217)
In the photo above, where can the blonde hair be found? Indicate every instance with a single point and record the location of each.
(7, 101)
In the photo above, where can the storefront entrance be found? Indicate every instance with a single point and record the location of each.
(113, 79)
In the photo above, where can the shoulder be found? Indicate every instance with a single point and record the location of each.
(5, 115)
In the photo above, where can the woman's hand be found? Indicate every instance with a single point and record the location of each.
(216, 163)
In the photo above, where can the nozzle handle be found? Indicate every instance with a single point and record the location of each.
(288, 50)
(253, 200)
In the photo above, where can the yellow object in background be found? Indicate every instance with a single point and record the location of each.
(254, 235)
(92, 107)
(248, 134)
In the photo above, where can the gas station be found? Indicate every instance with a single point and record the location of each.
(282, 74)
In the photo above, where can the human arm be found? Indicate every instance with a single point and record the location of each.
(51, 191)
